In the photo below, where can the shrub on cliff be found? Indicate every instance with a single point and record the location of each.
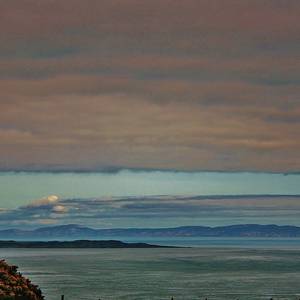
(13, 286)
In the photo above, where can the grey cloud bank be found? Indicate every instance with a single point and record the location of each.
(156, 211)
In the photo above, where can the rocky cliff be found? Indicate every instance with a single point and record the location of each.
(13, 286)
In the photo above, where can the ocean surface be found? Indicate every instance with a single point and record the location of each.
(183, 273)
(223, 242)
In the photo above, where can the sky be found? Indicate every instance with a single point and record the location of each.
(128, 198)
(168, 98)
(161, 84)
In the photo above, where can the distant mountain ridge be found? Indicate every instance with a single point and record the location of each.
(73, 231)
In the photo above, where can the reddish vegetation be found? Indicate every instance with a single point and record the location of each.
(13, 286)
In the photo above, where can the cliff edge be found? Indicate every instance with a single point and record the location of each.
(13, 286)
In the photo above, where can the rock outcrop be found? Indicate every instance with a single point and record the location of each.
(13, 286)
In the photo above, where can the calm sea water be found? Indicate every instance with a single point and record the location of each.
(223, 242)
(191, 273)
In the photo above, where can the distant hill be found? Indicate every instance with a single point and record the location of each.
(74, 244)
(72, 232)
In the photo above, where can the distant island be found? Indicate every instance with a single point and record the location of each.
(75, 244)
(76, 232)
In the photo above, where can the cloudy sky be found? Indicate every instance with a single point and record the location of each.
(160, 84)
(154, 211)
(147, 199)
(133, 88)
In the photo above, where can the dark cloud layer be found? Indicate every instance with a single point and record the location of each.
(164, 84)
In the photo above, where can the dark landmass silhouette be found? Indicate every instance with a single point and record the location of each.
(75, 232)
(13, 286)
(75, 244)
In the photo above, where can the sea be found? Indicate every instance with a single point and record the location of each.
(202, 269)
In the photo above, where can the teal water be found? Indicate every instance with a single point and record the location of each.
(222, 242)
(190, 273)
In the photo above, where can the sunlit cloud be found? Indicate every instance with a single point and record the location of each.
(51, 201)
(59, 209)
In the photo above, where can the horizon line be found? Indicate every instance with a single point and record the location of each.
(116, 170)
(149, 228)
